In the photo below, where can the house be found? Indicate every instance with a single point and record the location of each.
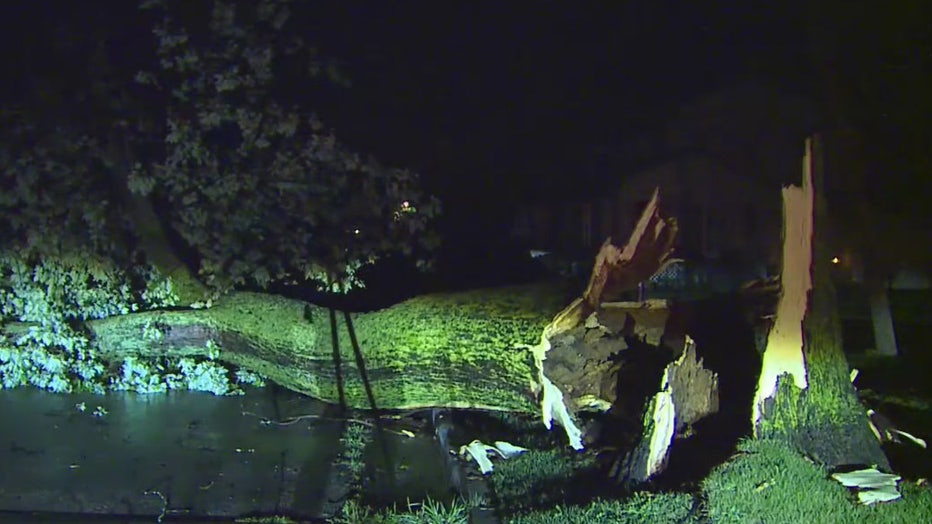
(719, 162)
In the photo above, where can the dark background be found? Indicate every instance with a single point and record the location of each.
(490, 101)
(494, 103)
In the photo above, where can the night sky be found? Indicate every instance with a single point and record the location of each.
(473, 94)
(492, 102)
(489, 92)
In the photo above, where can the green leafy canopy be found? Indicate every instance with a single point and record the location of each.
(257, 184)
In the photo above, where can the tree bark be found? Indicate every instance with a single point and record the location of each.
(442, 350)
(505, 349)
(804, 394)
(148, 228)
(599, 354)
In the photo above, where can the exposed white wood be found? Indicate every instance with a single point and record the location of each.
(783, 354)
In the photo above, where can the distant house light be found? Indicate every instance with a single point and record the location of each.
(835, 260)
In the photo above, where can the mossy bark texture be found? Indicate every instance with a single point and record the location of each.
(443, 350)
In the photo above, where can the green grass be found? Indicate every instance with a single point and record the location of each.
(539, 479)
(764, 482)
(639, 508)
(427, 512)
(355, 438)
(769, 482)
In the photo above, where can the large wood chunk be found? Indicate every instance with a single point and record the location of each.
(619, 269)
(687, 393)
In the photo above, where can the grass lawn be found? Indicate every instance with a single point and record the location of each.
(767, 482)
(762, 482)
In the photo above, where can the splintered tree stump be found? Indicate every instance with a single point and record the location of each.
(783, 355)
(804, 395)
(646, 253)
(618, 269)
(583, 360)
(621, 357)
(687, 393)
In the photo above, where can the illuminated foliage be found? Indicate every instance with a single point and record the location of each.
(218, 144)
(52, 201)
(256, 183)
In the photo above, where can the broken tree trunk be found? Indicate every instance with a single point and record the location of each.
(453, 350)
(688, 393)
(804, 394)
(149, 229)
(599, 354)
(483, 349)
(616, 270)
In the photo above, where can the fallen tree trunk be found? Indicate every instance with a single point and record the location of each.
(444, 350)
(491, 349)
(595, 343)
